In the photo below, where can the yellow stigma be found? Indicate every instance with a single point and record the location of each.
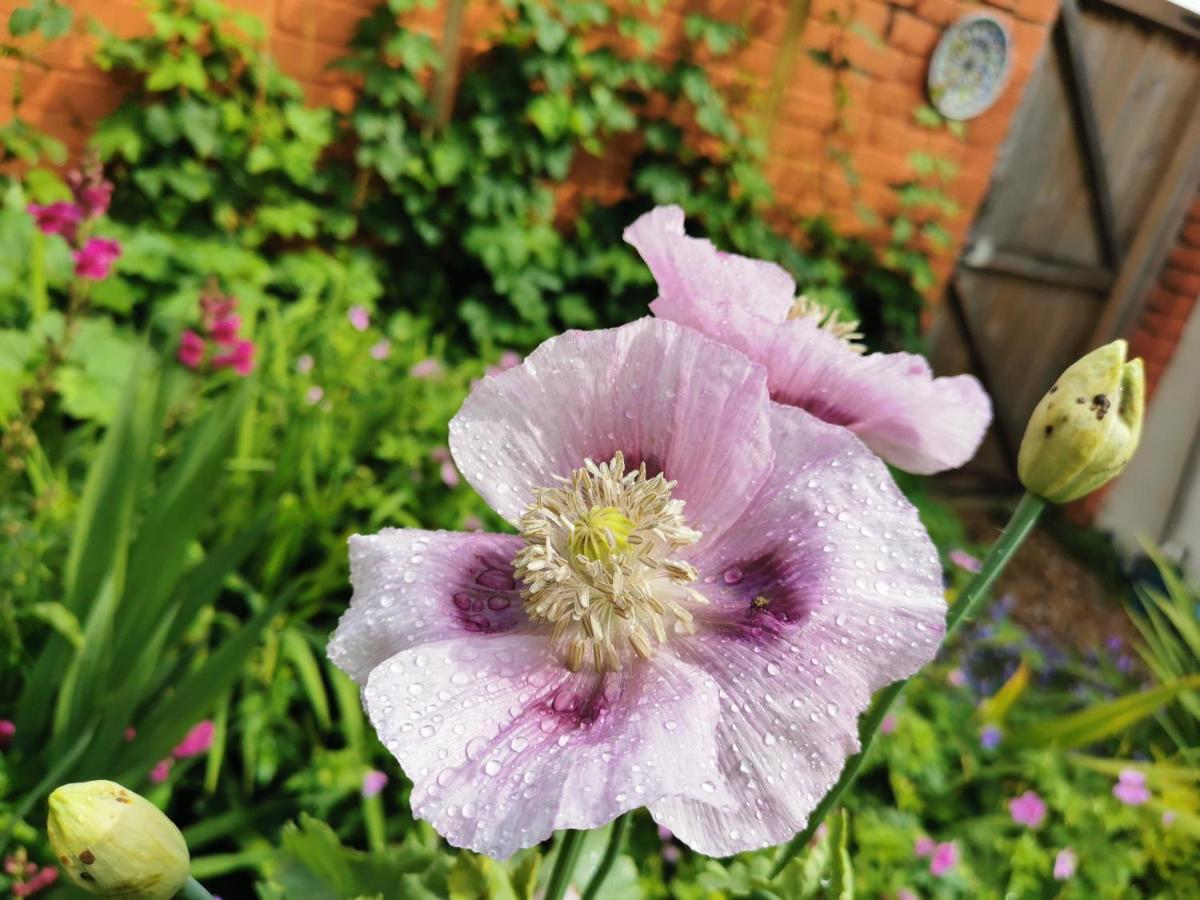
(116, 843)
(599, 567)
(600, 532)
(804, 307)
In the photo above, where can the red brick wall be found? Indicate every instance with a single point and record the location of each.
(886, 50)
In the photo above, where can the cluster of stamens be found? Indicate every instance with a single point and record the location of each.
(845, 330)
(597, 564)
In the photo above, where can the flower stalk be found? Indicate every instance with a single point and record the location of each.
(569, 849)
(969, 603)
(615, 840)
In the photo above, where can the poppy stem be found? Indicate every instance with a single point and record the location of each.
(193, 890)
(569, 849)
(969, 603)
(615, 840)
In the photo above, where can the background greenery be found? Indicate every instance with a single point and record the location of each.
(174, 541)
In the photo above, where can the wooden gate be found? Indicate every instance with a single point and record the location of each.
(1098, 167)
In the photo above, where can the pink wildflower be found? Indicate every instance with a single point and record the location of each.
(314, 395)
(93, 192)
(196, 741)
(374, 781)
(130, 734)
(1131, 788)
(1064, 864)
(925, 846)
(509, 359)
(473, 523)
(305, 363)
(957, 677)
(891, 400)
(446, 470)
(965, 560)
(906, 894)
(214, 306)
(57, 218)
(161, 770)
(1028, 809)
(240, 358)
(583, 721)
(191, 349)
(41, 879)
(94, 261)
(990, 737)
(7, 730)
(381, 350)
(888, 725)
(945, 858)
(225, 329)
(1168, 817)
(426, 368)
(359, 317)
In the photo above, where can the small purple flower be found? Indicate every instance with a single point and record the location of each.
(990, 737)
(446, 468)
(381, 350)
(1028, 809)
(359, 317)
(945, 858)
(906, 894)
(57, 218)
(161, 770)
(1114, 643)
(1064, 864)
(1168, 817)
(7, 730)
(888, 725)
(426, 368)
(305, 363)
(957, 677)
(373, 782)
(509, 359)
(924, 846)
(1131, 788)
(95, 259)
(586, 710)
(314, 395)
(965, 560)
(473, 523)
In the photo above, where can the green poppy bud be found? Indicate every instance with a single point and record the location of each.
(116, 843)
(1086, 428)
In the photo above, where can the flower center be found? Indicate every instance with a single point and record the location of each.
(827, 319)
(597, 564)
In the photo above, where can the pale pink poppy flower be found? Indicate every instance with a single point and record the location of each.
(683, 622)
(191, 349)
(1064, 864)
(95, 259)
(945, 858)
(1027, 809)
(891, 400)
(965, 560)
(60, 218)
(359, 317)
(381, 349)
(1131, 788)
(196, 741)
(374, 781)
(426, 368)
(924, 846)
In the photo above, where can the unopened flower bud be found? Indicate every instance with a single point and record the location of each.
(1086, 428)
(115, 843)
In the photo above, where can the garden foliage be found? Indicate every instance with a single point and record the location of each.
(174, 535)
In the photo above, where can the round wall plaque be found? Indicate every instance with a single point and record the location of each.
(970, 66)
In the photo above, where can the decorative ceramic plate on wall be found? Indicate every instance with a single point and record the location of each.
(970, 66)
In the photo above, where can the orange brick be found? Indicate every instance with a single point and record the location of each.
(913, 36)
(1179, 281)
(1190, 235)
(890, 165)
(306, 59)
(87, 95)
(326, 20)
(939, 12)
(1186, 259)
(1041, 11)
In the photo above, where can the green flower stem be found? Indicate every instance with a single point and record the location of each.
(969, 603)
(193, 890)
(615, 840)
(569, 849)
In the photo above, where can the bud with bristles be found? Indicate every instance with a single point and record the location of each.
(1084, 431)
(115, 843)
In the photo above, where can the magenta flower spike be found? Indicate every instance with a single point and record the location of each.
(705, 592)
(891, 401)
(945, 859)
(95, 259)
(57, 218)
